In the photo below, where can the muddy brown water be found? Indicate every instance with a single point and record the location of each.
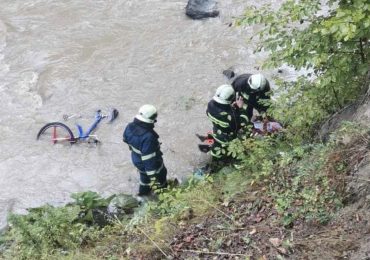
(66, 57)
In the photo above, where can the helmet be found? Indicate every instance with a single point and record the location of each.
(147, 114)
(257, 82)
(224, 94)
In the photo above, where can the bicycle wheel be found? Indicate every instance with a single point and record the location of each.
(56, 133)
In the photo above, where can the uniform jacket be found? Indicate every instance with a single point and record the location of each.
(251, 97)
(226, 120)
(145, 147)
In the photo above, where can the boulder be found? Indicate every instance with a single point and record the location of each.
(123, 204)
(200, 9)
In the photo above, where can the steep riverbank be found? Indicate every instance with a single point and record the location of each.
(248, 225)
(237, 212)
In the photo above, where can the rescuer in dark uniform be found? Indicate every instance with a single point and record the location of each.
(145, 150)
(226, 118)
(255, 90)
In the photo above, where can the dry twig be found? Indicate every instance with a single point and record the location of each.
(212, 253)
(154, 243)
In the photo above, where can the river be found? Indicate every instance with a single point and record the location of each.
(76, 56)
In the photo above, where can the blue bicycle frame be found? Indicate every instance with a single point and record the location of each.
(84, 135)
(61, 133)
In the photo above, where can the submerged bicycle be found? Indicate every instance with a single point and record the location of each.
(57, 132)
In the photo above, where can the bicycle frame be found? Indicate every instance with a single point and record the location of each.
(59, 132)
(84, 135)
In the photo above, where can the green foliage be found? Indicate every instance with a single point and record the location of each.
(306, 193)
(48, 231)
(257, 156)
(233, 184)
(90, 200)
(172, 202)
(45, 231)
(92, 206)
(306, 182)
(329, 42)
(315, 185)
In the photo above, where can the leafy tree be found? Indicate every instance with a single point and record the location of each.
(329, 42)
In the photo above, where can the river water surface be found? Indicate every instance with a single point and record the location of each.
(76, 56)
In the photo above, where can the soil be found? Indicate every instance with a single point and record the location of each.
(253, 231)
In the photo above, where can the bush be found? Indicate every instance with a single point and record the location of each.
(306, 182)
(45, 231)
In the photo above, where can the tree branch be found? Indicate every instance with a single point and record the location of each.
(336, 97)
(362, 51)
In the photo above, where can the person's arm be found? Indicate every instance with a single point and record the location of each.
(240, 85)
(241, 109)
(124, 139)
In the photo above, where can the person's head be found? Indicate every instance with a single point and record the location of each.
(224, 94)
(147, 113)
(257, 82)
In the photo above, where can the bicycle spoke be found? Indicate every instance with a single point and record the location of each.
(56, 133)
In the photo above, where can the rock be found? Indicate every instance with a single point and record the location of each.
(282, 250)
(276, 242)
(253, 231)
(123, 203)
(334, 122)
(100, 216)
(200, 9)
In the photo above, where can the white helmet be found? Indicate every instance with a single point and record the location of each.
(257, 82)
(147, 114)
(224, 94)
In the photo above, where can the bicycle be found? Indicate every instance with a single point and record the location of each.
(57, 132)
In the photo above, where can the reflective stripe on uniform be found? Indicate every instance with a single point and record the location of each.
(134, 149)
(149, 156)
(143, 157)
(245, 118)
(218, 140)
(216, 154)
(149, 173)
(246, 96)
(153, 180)
(217, 121)
(214, 136)
(144, 184)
